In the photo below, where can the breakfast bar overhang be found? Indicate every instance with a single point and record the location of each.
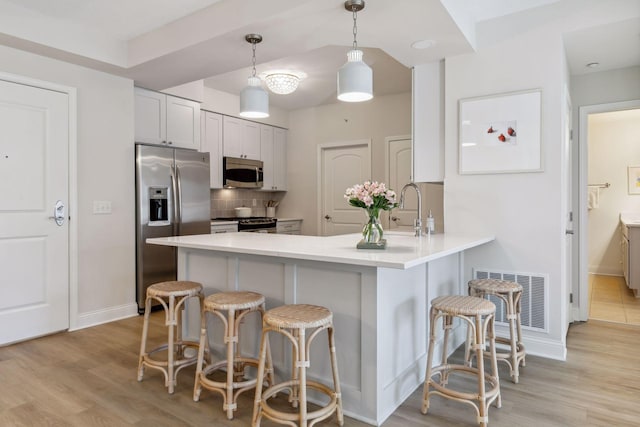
(379, 299)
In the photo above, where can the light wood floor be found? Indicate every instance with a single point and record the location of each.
(88, 378)
(611, 300)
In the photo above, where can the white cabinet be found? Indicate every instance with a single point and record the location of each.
(166, 120)
(428, 122)
(241, 138)
(211, 142)
(630, 256)
(273, 152)
(289, 226)
(224, 228)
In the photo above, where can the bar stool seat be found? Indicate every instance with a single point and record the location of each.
(236, 305)
(292, 321)
(172, 295)
(478, 314)
(511, 294)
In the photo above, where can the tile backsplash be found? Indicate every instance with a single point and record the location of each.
(224, 201)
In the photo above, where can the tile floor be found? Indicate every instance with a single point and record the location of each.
(610, 300)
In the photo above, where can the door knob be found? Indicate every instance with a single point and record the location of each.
(327, 217)
(395, 219)
(58, 213)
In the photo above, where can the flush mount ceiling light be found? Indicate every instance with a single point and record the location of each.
(355, 78)
(254, 100)
(282, 82)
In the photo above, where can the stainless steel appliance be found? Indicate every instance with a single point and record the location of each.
(172, 199)
(254, 224)
(241, 173)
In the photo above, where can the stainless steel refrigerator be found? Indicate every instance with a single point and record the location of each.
(172, 199)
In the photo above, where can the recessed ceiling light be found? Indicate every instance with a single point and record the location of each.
(423, 44)
(593, 64)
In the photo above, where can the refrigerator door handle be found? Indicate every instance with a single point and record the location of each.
(174, 200)
(179, 200)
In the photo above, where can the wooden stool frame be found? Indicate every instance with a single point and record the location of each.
(172, 306)
(298, 385)
(516, 355)
(234, 363)
(480, 329)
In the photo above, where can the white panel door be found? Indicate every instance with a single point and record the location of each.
(399, 156)
(342, 167)
(34, 249)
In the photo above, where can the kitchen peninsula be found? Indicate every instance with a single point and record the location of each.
(379, 298)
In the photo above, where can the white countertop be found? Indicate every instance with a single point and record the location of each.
(403, 249)
(630, 219)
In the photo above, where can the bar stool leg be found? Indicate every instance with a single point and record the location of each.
(511, 316)
(197, 388)
(491, 335)
(143, 343)
(432, 342)
(519, 326)
(171, 323)
(294, 397)
(336, 378)
(478, 346)
(257, 410)
(301, 366)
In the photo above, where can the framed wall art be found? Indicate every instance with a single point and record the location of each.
(500, 133)
(633, 173)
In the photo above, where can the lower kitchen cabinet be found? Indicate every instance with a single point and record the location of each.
(630, 256)
(289, 226)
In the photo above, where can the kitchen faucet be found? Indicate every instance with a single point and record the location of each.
(417, 223)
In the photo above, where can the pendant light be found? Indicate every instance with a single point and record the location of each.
(355, 78)
(254, 100)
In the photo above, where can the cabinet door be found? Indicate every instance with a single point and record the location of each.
(150, 117)
(266, 155)
(183, 123)
(211, 142)
(428, 123)
(280, 159)
(251, 140)
(232, 136)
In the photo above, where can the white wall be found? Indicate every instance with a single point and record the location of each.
(614, 144)
(106, 243)
(377, 119)
(522, 210)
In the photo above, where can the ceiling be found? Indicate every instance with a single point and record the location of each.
(166, 43)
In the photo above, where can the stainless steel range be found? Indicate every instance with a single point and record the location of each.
(255, 224)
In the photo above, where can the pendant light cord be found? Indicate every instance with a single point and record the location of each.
(355, 28)
(253, 47)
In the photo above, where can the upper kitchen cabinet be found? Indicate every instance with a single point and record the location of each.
(211, 142)
(273, 147)
(241, 138)
(166, 120)
(428, 122)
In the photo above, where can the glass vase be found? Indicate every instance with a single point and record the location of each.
(372, 230)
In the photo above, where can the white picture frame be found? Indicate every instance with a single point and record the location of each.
(633, 176)
(500, 133)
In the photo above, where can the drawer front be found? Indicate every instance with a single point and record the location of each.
(215, 229)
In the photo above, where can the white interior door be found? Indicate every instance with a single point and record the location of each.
(34, 247)
(342, 167)
(399, 155)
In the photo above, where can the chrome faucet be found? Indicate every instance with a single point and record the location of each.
(417, 223)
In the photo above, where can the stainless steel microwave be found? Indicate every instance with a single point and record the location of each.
(241, 173)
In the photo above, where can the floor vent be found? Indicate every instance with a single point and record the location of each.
(534, 297)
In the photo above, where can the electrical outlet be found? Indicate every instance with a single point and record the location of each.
(254, 202)
(101, 207)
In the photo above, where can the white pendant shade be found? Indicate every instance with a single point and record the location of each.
(254, 100)
(355, 79)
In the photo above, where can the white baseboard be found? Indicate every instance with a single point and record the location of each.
(545, 348)
(106, 315)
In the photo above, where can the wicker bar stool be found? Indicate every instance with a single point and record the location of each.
(172, 295)
(478, 314)
(236, 305)
(511, 294)
(292, 321)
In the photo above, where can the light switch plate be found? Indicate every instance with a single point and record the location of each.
(101, 207)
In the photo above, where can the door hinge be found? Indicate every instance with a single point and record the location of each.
(571, 297)
(571, 216)
(571, 134)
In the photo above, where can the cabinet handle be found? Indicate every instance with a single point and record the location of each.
(170, 143)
